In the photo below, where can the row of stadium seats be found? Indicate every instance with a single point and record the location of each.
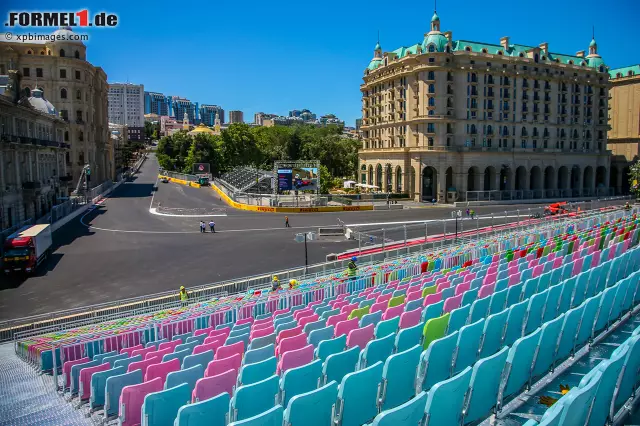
(369, 338)
(242, 178)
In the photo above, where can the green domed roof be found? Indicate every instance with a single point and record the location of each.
(593, 42)
(374, 64)
(377, 46)
(435, 17)
(595, 62)
(437, 39)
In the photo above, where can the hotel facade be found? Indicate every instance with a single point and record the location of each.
(456, 120)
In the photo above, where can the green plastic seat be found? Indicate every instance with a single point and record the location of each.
(435, 328)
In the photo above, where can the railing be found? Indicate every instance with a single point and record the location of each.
(533, 194)
(302, 200)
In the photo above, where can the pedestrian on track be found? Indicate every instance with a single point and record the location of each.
(286, 222)
(203, 227)
(212, 226)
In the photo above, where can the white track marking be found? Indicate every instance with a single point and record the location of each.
(153, 210)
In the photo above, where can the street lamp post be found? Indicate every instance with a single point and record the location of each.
(303, 237)
(455, 215)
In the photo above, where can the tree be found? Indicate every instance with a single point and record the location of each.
(634, 179)
(149, 128)
(239, 146)
(205, 149)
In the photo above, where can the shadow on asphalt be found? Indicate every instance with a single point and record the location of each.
(134, 190)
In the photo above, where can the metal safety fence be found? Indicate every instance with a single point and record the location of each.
(536, 194)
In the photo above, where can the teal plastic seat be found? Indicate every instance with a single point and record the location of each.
(606, 303)
(384, 328)
(283, 319)
(240, 338)
(547, 345)
(408, 337)
(330, 346)
(580, 291)
(468, 346)
(126, 361)
(210, 412)
(357, 401)
(458, 318)
(198, 339)
(469, 296)
(484, 386)
(319, 402)
(271, 417)
(492, 334)
(619, 302)
(376, 350)
(515, 323)
(567, 295)
(409, 413)
(338, 365)
(112, 359)
(75, 374)
(551, 417)
(629, 378)
(479, 309)
(257, 371)
(180, 356)
(566, 342)
(258, 355)
(533, 315)
(588, 318)
(577, 401)
(161, 408)
(317, 336)
(251, 400)
(498, 301)
(432, 311)
(98, 383)
(100, 357)
(518, 365)
(299, 380)
(398, 377)
(188, 345)
(311, 326)
(435, 362)
(326, 314)
(514, 294)
(445, 400)
(189, 376)
(529, 288)
(203, 358)
(551, 305)
(261, 342)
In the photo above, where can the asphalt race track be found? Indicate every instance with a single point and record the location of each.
(142, 241)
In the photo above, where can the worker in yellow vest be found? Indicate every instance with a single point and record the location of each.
(184, 296)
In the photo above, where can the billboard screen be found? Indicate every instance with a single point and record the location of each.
(201, 168)
(300, 175)
(284, 179)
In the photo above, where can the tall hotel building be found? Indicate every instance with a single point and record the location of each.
(208, 114)
(157, 103)
(456, 120)
(126, 104)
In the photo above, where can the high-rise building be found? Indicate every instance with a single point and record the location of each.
(358, 123)
(157, 103)
(126, 104)
(236, 117)
(624, 119)
(259, 117)
(304, 114)
(208, 114)
(455, 120)
(77, 88)
(181, 105)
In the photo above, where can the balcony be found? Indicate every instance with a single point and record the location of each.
(31, 188)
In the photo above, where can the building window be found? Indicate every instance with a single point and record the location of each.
(77, 75)
(26, 72)
(431, 128)
(432, 88)
(79, 95)
(64, 114)
(63, 73)
(430, 142)
(431, 60)
(80, 136)
(432, 48)
(432, 102)
(77, 54)
(431, 75)
(62, 53)
(63, 93)
(66, 136)
(38, 72)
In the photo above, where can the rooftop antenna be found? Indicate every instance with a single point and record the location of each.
(435, 4)
(593, 32)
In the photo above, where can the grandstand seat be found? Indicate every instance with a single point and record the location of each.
(409, 337)
(371, 318)
(446, 398)
(484, 385)
(315, 325)
(344, 327)
(376, 350)
(128, 351)
(203, 358)
(229, 350)
(290, 343)
(518, 366)
(577, 402)
(260, 342)
(257, 355)
(409, 413)
(66, 370)
(295, 358)
(170, 345)
(74, 382)
(498, 301)
(360, 336)
(384, 328)
(180, 356)
(319, 401)
(188, 345)
(515, 323)
(435, 362)
(492, 334)
(629, 376)
(337, 365)
(84, 383)
(112, 359)
(289, 332)
(243, 338)
(188, 376)
(161, 407)
(210, 412)
(398, 377)
(98, 385)
(299, 380)
(434, 329)
(458, 318)
(479, 309)
(113, 389)
(161, 370)
(271, 417)
(533, 315)
(317, 336)
(468, 346)
(335, 319)
(567, 339)
(251, 400)
(101, 356)
(357, 401)
(132, 398)
(410, 318)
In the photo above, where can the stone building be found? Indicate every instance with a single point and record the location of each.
(77, 88)
(459, 120)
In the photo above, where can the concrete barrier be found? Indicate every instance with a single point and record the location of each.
(388, 207)
(330, 231)
(332, 257)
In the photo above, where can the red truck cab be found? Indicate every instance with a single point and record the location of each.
(25, 249)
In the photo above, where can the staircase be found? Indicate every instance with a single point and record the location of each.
(27, 398)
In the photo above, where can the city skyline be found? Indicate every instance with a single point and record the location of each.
(303, 63)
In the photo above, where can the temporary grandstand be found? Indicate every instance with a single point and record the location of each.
(251, 180)
(536, 326)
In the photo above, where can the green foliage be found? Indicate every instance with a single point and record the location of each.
(634, 178)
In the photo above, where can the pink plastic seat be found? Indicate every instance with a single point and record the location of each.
(537, 271)
(384, 298)
(302, 313)
(514, 279)
(334, 319)
(84, 391)
(262, 325)
(248, 320)
(414, 295)
(161, 370)
(431, 299)
(261, 332)
(214, 339)
(171, 345)
(306, 320)
(595, 260)
(373, 295)
(577, 266)
(295, 358)
(486, 290)
(142, 365)
(288, 333)
(379, 306)
(441, 280)
(402, 287)
(229, 350)
(452, 303)
(221, 365)
(360, 336)
(344, 327)
(280, 312)
(338, 304)
(131, 399)
(143, 352)
(410, 318)
(208, 387)
(221, 334)
(203, 331)
(393, 312)
(557, 262)
(128, 351)
(268, 320)
(291, 343)
(159, 353)
(489, 279)
(66, 370)
(461, 288)
(211, 346)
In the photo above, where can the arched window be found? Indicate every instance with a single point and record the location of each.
(601, 68)
(521, 55)
(524, 131)
(431, 75)
(575, 133)
(544, 58)
(473, 129)
(570, 62)
(485, 51)
(500, 52)
(505, 131)
(77, 54)
(535, 57)
(79, 95)
(432, 102)
(29, 52)
(618, 75)
(430, 141)
(27, 92)
(583, 63)
(42, 52)
(489, 130)
(431, 48)
(432, 88)
(63, 93)
(66, 136)
(80, 136)
(62, 53)
(557, 61)
(49, 52)
(468, 49)
(630, 73)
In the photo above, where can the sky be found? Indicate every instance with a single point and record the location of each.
(277, 56)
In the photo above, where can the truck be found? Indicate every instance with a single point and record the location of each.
(27, 248)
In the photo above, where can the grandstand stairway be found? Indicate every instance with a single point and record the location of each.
(27, 398)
